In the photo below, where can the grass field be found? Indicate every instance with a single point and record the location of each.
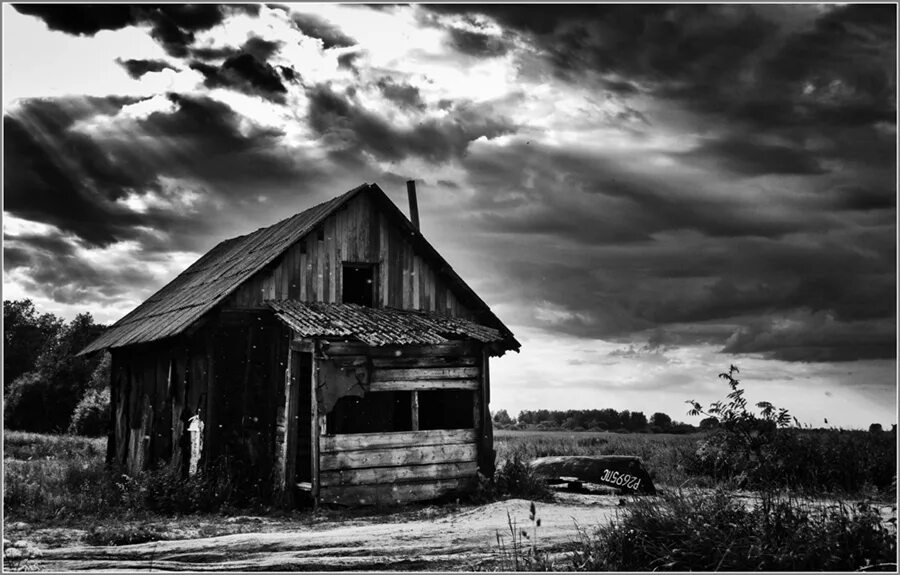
(663, 455)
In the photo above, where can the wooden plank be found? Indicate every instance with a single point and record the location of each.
(303, 345)
(314, 430)
(393, 494)
(453, 348)
(362, 441)
(212, 406)
(303, 276)
(417, 455)
(376, 475)
(290, 427)
(398, 362)
(384, 255)
(416, 302)
(423, 384)
(425, 373)
(414, 407)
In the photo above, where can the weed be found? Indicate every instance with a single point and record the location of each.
(124, 535)
(516, 478)
(522, 552)
(686, 532)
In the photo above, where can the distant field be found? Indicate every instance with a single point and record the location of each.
(663, 454)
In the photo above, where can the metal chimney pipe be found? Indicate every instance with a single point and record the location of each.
(413, 204)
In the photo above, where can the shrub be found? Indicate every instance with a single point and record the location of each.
(516, 478)
(710, 533)
(91, 416)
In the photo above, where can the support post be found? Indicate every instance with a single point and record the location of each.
(290, 430)
(414, 401)
(314, 431)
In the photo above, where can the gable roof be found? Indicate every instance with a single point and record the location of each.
(377, 326)
(212, 278)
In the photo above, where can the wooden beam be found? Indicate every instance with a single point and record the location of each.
(401, 362)
(394, 493)
(290, 429)
(402, 473)
(314, 430)
(398, 456)
(362, 441)
(425, 373)
(303, 345)
(414, 406)
(423, 385)
(451, 348)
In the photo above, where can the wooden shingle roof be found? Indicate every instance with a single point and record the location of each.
(217, 274)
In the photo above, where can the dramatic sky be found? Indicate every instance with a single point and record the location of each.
(645, 194)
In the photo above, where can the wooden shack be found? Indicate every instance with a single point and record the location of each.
(334, 354)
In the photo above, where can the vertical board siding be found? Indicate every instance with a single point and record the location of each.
(359, 233)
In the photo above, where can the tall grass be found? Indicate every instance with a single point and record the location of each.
(663, 455)
(58, 479)
(829, 461)
(54, 477)
(694, 532)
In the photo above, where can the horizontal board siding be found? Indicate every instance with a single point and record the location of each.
(449, 349)
(416, 374)
(361, 441)
(423, 384)
(395, 362)
(392, 494)
(407, 473)
(398, 456)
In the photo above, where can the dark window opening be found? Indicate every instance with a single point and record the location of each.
(375, 412)
(446, 409)
(358, 284)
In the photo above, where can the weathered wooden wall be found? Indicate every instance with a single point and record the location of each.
(399, 467)
(231, 372)
(404, 466)
(359, 233)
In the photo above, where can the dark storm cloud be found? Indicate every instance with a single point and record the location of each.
(137, 68)
(59, 175)
(748, 158)
(320, 29)
(51, 170)
(81, 19)
(51, 267)
(172, 25)
(349, 130)
(476, 43)
(816, 337)
(653, 255)
(244, 73)
(260, 48)
(626, 205)
(784, 70)
(348, 61)
(403, 94)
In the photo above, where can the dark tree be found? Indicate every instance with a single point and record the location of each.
(25, 334)
(44, 398)
(875, 428)
(660, 420)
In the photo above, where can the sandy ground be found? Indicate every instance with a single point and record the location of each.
(433, 538)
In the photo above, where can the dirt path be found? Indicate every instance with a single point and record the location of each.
(463, 539)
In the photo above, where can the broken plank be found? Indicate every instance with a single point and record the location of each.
(418, 455)
(376, 475)
(360, 441)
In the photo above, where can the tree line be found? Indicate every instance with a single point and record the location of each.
(597, 420)
(47, 388)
